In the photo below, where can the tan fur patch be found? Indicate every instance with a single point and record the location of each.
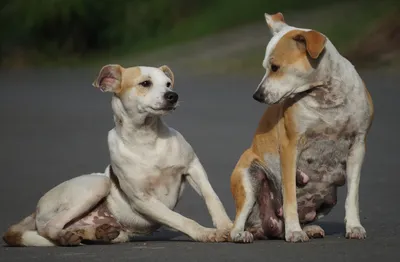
(13, 238)
(287, 53)
(371, 106)
(168, 72)
(237, 190)
(292, 49)
(278, 17)
(289, 138)
(131, 79)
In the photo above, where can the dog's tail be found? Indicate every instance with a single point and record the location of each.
(25, 234)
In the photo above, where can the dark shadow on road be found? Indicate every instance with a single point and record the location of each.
(332, 228)
(163, 235)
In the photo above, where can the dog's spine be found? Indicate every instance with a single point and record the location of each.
(25, 234)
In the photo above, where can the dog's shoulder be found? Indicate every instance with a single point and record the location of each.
(176, 140)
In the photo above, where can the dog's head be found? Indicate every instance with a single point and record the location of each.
(147, 89)
(291, 60)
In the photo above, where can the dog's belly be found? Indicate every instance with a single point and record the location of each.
(323, 157)
(99, 215)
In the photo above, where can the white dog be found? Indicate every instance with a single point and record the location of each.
(315, 128)
(150, 163)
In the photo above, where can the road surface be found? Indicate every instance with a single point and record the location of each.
(54, 126)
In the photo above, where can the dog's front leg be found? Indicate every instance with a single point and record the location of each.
(354, 229)
(157, 211)
(197, 178)
(293, 231)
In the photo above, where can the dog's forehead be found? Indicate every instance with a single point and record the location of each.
(275, 40)
(153, 72)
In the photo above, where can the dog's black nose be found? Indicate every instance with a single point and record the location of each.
(259, 96)
(171, 97)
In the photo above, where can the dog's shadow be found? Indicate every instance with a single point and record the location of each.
(163, 234)
(331, 228)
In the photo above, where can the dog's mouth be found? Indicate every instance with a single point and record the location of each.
(165, 108)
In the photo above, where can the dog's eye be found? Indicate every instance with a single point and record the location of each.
(146, 83)
(274, 68)
(168, 84)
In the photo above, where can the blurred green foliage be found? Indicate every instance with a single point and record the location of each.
(46, 29)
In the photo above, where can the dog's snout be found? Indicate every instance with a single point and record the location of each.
(171, 97)
(259, 96)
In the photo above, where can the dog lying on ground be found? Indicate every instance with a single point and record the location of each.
(314, 133)
(150, 163)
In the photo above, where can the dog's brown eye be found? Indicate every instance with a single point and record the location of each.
(168, 84)
(274, 68)
(145, 83)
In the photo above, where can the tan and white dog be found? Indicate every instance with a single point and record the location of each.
(313, 135)
(150, 163)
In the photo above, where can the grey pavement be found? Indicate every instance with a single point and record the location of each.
(53, 126)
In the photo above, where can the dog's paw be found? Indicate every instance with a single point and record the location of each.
(295, 236)
(314, 231)
(356, 232)
(69, 238)
(107, 232)
(215, 235)
(242, 237)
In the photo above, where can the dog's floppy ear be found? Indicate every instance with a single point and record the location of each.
(168, 72)
(312, 41)
(109, 78)
(275, 22)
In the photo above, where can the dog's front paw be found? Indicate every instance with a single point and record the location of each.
(69, 238)
(356, 232)
(314, 231)
(242, 237)
(295, 236)
(215, 235)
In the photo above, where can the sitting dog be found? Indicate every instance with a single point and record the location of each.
(313, 133)
(150, 163)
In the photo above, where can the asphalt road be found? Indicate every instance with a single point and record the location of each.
(54, 126)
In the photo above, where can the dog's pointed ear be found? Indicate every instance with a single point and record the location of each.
(168, 72)
(312, 41)
(275, 22)
(109, 78)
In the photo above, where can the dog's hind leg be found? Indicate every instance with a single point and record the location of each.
(67, 202)
(250, 184)
(245, 200)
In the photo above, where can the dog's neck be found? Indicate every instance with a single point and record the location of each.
(338, 78)
(135, 127)
(334, 68)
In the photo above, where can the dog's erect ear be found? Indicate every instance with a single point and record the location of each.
(168, 72)
(312, 41)
(109, 79)
(275, 22)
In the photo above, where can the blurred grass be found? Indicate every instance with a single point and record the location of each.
(345, 25)
(40, 32)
